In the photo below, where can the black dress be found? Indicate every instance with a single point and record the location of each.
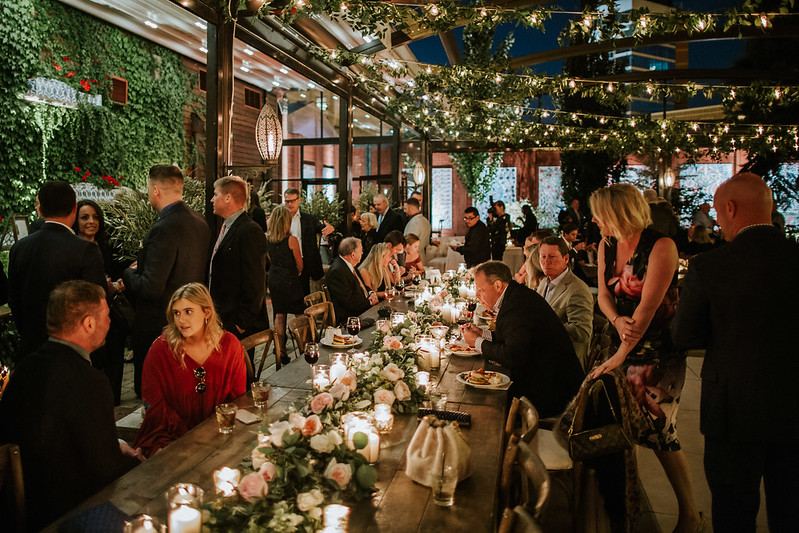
(284, 279)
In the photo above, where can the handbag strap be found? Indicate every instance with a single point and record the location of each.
(587, 391)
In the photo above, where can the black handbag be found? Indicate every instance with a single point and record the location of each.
(122, 312)
(597, 428)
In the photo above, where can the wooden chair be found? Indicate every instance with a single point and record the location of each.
(524, 479)
(518, 520)
(5, 374)
(327, 293)
(315, 298)
(265, 337)
(322, 315)
(302, 330)
(12, 489)
(522, 420)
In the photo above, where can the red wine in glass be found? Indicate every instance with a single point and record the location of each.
(311, 353)
(353, 325)
(471, 306)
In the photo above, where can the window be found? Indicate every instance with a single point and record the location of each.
(203, 80)
(252, 98)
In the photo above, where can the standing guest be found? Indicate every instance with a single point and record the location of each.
(60, 410)
(418, 195)
(285, 273)
(174, 253)
(701, 217)
(698, 241)
(305, 228)
(349, 293)
(43, 260)
(237, 269)
(571, 215)
(529, 340)
(257, 212)
(738, 303)
(663, 218)
(413, 258)
(637, 273)
(568, 295)
(498, 231)
(418, 225)
(191, 368)
(356, 230)
(529, 223)
(110, 359)
(369, 231)
(374, 269)
(387, 219)
(476, 248)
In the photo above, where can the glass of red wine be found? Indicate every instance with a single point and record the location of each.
(311, 355)
(353, 325)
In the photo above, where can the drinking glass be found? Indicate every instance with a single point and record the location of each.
(390, 293)
(143, 524)
(417, 279)
(260, 393)
(439, 333)
(438, 397)
(353, 325)
(226, 417)
(311, 355)
(445, 480)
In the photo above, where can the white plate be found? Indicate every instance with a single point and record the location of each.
(468, 353)
(505, 380)
(357, 342)
(487, 318)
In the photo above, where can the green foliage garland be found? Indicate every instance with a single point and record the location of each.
(477, 171)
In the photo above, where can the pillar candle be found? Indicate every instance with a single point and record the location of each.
(185, 519)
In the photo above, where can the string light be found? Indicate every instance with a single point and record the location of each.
(434, 10)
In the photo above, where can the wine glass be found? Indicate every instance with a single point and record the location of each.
(417, 279)
(400, 286)
(353, 325)
(311, 355)
(439, 333)
(390, 293)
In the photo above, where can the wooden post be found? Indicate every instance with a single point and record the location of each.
(344, 185)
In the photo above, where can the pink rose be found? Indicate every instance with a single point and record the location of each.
(339, 391)
(320, 401)
(350, 380)
(392, 372)
(258, 457)
(401, 391)
(313, 425)
(392, 343)
(384, 326)
(341, 473)
(253, 487)
(384, 396)
(267, 470)
(629, 283)
(296, 420)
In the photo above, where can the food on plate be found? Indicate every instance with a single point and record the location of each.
(342, 340)
(483, 377)
(488, 314)
(460, 348)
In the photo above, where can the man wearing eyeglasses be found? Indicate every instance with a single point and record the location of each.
(305, 227)
(476, 248)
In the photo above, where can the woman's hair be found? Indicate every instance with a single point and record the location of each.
(100, 237)
(410, 239)
(621, 209)
(197, 294)
(373, 265)
(279, 224)
(700, 235)
(370, 219)
(534, 271)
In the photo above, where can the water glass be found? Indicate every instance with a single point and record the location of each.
(445, 480)
(438, 397)
(260, 393)
(226, 417)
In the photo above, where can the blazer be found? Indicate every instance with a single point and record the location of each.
(60, 411)
(392, 220)
(345, 291)
(174, 253)
(531, 342)
(238, 277)
(476, 248)
(573, 302)
(739, 303)
(37, 264)
(311, 257)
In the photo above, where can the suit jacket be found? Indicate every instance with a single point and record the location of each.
(392, 220)
(238, 277)
(174, 253)
(476, 248)
(311, 257)
(573, 302)
(60, 411)
(531, 342)
(739, 302)
(40, 262)
(345, 291)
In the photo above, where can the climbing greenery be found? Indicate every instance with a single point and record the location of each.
(106, 145)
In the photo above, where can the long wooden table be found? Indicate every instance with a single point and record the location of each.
(399, 505)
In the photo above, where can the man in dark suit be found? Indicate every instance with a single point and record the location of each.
(571, 215)
(739, 302)
(44, 259)
(174, 253)
(60, 410)
(349, 293)
(528, 339)
(476, 248)
(305, 228)
(237, 272)
(498, 230)
(388, 220)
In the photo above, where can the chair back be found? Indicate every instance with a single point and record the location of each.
(302, 330)
(322, 315)
(327, 293)
(256, 339)
(518, 520)
(12, 489)
(535, 480)
(5, 374)
(315, 298)
(522, 420)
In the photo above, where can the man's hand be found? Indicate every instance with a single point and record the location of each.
(328, 229)
(126, 449)
(470, 334)
(133, 265)
(373, 299)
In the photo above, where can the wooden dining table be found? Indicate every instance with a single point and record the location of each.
(398, 505)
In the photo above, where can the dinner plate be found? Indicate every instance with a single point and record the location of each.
(505, 380)
(469, 352)
(487, 318)
(357, 342)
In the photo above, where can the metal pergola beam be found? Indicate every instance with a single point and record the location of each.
(704, 74)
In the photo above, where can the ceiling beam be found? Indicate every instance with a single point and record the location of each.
(451, 47)
(703, 74)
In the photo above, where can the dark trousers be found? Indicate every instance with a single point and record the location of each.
(734, 471)
(497, 251)
(141, 341)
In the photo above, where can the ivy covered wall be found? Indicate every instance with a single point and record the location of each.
(106, 145)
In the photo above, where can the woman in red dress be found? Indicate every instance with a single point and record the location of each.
(190, 369)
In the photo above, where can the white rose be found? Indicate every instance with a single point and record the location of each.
(315, 513)
(340, 391)
(296, 420)
(258, 458)
(276, 431)
(384, 396)
(392, 372)
(335, 437)
(341, 473)
(401, 391)
(305, 502)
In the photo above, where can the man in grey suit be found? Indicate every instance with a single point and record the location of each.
(418, 225)
(174, 253)
(567, 294)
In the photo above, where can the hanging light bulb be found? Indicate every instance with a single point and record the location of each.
(610, 87)
(764, 20)
(572, 84)
(777, 93)
(434, 10)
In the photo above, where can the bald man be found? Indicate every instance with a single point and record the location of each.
(739, 303)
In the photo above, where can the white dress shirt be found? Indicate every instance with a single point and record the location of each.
(487, 334)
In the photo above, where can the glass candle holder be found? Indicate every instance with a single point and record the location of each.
(338, 366)
(397, 318)
(184, 500)
(423, 379)
(321, 377)
(143, 523)
(226, 480)
(384, 418)
(336, 518)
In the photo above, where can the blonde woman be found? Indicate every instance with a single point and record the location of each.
(533, 273)
(374, 269)
(192, 367)
(637, 273)
(369, 232)
(285, 260)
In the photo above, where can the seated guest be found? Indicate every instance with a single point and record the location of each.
(190, 369)
(397, 241)
(567, 295)
(698, 241)
(60, 410)
(369, 231)
(521, 275)
(413, 258)
(529, 340)
(374, 269)
(532, 265)
(477, 247)
(349, 293)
